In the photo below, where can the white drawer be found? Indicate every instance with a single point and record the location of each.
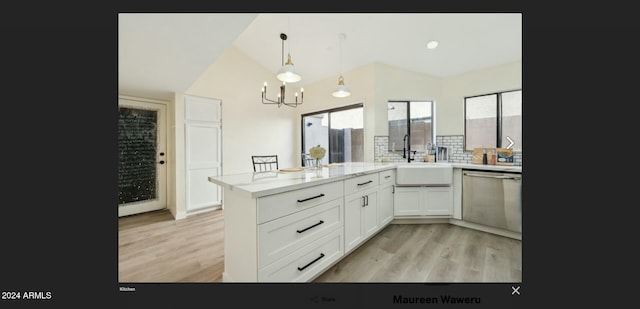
(279, 205)
(304, 264)
(388, 176)
(282, 236)
(360, 183)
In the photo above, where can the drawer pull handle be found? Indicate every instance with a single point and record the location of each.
(299, 231)
(317, 196)
(385, 177)
(305, 266)
(364, 183)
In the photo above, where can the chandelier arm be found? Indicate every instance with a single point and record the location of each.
(281, 95)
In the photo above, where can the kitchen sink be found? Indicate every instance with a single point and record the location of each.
(424, 174)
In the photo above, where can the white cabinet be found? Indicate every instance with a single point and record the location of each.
(361, 209)
(300, 232)
(438, 201)
(361, 216)
(385, 197)
(202, 129)
(408, 201)
(423, 201)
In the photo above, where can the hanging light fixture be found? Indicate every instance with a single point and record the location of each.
(285, 74)
(341, 90)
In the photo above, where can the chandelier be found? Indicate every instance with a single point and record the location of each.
(287, 73)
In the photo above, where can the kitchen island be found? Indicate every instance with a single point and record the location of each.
(292, 226)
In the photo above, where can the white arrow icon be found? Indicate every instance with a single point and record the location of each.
(510, 142)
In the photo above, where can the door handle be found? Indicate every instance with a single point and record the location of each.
(493, 176)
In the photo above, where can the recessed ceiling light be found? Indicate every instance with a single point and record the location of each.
(432, 44)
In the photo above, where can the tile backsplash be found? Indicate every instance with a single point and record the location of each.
(453, 142)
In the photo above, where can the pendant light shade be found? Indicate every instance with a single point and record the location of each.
(287, 72)
(341, 90)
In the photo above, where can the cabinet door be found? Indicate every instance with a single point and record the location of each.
(353, 205)
(203, 144)
(438, 201)
(407, 201)
(370, 212)
(385, 205)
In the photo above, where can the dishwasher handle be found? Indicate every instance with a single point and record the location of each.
(493, 176)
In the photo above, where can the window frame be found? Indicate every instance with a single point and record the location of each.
(498, 95)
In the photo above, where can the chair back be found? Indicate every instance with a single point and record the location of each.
(265, 163)
(307, 160)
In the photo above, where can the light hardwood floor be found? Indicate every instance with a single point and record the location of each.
(430, 253)
(153, 247)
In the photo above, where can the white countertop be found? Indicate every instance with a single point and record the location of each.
(267, 183)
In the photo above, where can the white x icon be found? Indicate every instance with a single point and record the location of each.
(515, 290)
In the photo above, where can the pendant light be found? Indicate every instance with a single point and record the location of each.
(341, 90)
(287, 72)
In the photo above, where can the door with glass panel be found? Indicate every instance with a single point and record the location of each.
(142, 157)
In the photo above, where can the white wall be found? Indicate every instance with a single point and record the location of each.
(175, 154)
(392, 83)
(450, 115)
(248, 126)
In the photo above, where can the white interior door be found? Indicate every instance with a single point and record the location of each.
(142, 168)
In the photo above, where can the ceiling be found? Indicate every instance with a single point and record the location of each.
(164, 53)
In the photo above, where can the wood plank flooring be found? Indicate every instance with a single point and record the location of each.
(153, 247)
(430, 253)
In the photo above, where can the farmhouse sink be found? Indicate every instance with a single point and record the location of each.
(424, 174)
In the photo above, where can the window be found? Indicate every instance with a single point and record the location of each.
(339, 130)
(493, 120)
(420, 133)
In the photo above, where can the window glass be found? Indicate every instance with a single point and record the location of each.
(494, 120)
(340, 131)
(512, 119)
(481, 125)
(419, 134)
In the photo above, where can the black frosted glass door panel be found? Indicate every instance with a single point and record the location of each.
(137, 151)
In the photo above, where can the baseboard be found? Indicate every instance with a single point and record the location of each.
(203, 210)
(226, 277)
(410, 220)
(488, 229)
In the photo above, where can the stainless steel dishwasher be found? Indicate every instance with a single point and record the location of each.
(492, 199)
